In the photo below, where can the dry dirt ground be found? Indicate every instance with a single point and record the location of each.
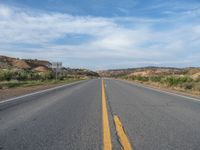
(13, 92)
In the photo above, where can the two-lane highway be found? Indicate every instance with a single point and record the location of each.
(92, 115)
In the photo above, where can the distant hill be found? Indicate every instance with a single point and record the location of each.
(24, 64)
(81, 72)
(150, 71)
(39, 66)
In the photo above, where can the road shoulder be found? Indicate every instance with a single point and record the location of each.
(164, 90)
(20, 91)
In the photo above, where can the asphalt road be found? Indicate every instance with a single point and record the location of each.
(70, 118)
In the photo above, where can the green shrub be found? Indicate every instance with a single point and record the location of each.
(2, 76)
(156, 78)
(5, 75)
(21, 76)
(35, 76)
(174, 81)
(140, 78)
(49, 75)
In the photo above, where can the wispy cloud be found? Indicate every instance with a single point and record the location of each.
(129, 41)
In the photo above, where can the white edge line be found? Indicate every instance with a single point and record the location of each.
(154, 89)
(38, 92)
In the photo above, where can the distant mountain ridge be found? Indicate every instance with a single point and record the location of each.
(39, 66)
(150, 71)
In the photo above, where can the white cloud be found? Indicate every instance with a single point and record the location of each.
(110, 38)
(5, 11)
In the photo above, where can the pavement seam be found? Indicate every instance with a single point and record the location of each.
(112, 116)
(123, 138)
(119, 129)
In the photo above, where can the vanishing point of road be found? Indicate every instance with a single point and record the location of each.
(100, 114)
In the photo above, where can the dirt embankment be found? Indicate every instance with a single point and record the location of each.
(25, 64)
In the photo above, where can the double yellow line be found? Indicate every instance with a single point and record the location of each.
(106, 129)
(107, 143)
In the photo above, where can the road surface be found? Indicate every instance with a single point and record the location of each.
(92, 115)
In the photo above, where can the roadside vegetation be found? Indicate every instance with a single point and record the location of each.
(10, 78)
(183, 83)
(16, 72)
(186, 80)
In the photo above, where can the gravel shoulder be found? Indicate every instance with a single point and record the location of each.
(18, 91)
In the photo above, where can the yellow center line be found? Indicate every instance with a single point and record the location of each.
(107, 144)
(121, 134)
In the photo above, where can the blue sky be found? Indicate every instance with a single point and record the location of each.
(102, 34)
